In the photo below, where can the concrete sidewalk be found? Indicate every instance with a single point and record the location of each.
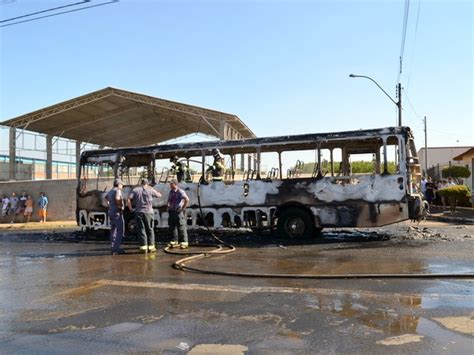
(38, 227)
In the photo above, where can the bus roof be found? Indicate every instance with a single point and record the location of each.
(371, 137)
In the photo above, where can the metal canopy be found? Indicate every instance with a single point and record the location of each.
(118, 118)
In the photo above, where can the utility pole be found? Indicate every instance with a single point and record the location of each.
(399, 93)
(399, 104)
(426, 148)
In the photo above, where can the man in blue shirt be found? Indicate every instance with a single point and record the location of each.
(43, 206)
(115, 200)
(177, 203)
(142, 197)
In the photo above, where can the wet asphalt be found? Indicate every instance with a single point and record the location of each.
(65, 293)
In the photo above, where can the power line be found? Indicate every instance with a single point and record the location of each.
(43, 11)
(404, 34)
(422, 120)
(411, 105)
(60, 13)
(414, 42)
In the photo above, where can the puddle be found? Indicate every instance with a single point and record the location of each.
(450, 268)
(71, 328)
(125, 327)
(451, 341)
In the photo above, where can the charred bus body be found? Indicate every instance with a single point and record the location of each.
(295, 202)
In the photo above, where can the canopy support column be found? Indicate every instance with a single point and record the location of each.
(49, 157)
(12, 157)
(78, 158)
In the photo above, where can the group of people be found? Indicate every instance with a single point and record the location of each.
(20, 209)
(140, 201)
(216, 170)
(430, 188)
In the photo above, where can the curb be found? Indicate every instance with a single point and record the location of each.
(468, 221)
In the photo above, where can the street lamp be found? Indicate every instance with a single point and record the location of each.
(399, 90)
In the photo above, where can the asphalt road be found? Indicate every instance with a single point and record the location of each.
(61, 293)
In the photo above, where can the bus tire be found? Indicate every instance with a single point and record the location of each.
(295, 222)
(318, 232)
(131, 229)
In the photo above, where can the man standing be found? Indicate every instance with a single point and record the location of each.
(22, 205)
(142, 197)
(115, 200)
(5, 205)
(423, 186)
(217, 168)
(13, 206)
(177, 203)
(181, 170)
(43, 206)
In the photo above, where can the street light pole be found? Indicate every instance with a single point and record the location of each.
(399, 94)
(426, 148)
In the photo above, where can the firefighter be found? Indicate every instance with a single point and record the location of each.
(181, 169)
(217, 167)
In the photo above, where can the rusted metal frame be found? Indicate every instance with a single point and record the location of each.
(151, 169)
(345, 161)
(280, 165)
(232, 169)
(318, 150)
(402, 155)
(203, 167)
(385, 162)
(247, 146)
(258, 163)
(331, 156)
(377, 161)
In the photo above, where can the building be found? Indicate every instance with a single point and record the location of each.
(441, 156)
(109, 117)
(44, 146)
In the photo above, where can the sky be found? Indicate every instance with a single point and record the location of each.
(282, 66)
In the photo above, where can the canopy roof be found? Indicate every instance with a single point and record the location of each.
(118, 118)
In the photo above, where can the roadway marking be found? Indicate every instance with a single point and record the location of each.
(81, 290)
(265, 289)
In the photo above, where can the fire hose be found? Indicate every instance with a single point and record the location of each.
(222, 248)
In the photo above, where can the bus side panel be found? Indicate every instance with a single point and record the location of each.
(360, 214)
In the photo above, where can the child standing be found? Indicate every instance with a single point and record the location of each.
(28, 208)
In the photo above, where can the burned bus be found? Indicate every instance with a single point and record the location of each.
(262, 186)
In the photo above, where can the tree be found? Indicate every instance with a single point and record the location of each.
(358, 167)
(455, 194)
(456, 171)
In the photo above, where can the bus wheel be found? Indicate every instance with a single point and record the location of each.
(318, 232)
(295, 223)
(131, 228)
